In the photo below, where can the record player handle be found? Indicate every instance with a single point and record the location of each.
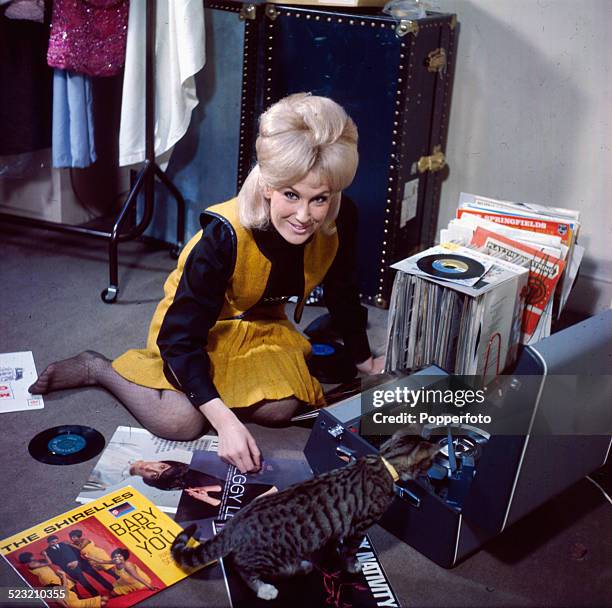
(407, 495)
(345, 454)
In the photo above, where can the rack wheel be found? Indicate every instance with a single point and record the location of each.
(109, 295)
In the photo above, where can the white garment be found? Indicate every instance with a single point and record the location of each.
(179, 54)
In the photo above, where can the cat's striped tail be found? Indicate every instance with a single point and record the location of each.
(205, 552)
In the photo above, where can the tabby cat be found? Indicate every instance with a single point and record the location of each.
(276, 535)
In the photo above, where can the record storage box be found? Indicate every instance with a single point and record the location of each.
(394, 79)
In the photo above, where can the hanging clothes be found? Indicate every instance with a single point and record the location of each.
(88, 36)
(73, 126)
(179, 55)
(25, 86)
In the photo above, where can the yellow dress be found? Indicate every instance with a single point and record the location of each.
(258, 358)
(126, 583)
(46, 575)
(74, 601)
(90, 550)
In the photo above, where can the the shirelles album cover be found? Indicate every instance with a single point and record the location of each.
(114, 551)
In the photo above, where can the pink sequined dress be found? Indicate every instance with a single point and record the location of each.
(88, 36)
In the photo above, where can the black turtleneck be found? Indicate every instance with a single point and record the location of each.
(287, 271)
(200, 295)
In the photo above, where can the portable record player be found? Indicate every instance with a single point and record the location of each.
(481, 482)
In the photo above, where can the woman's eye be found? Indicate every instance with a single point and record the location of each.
(292, 196)
(321, 200)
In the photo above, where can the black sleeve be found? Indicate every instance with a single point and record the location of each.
(197, 303)
(54, 557)
(65, 555)
(341, 291)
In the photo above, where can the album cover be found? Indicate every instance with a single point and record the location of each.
(215, 490)
(117, 547)
(544, 274)
(132, 457)
(17, 374)
(536, 218)
(553, 221)
(526, 209)
(328, 585)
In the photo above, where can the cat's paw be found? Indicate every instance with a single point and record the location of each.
(305, 566)
(267, 591)
(353, 566)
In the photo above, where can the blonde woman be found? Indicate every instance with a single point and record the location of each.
(219, 342)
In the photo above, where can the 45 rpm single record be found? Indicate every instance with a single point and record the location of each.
(450, 266)
(330, 363)
(68, 444)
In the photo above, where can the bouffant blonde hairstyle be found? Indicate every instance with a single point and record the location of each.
(299, 134)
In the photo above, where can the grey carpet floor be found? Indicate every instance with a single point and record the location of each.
(51, 305)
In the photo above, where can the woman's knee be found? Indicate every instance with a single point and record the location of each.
(181, 430)
(274, 413)
(178, 420)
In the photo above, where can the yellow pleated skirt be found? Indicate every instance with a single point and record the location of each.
(262, 357)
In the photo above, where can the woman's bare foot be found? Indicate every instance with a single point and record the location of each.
(69, 373)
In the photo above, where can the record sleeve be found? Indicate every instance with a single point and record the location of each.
(123, 520)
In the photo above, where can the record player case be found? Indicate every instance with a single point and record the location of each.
(513, 474)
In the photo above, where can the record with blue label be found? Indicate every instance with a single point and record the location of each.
(330, 362)
(450, 266)
(68, 444)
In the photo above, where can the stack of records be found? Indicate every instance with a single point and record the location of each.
(501, 271)
(457, 308)
(544, 238)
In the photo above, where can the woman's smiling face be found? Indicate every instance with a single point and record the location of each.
(298, 211)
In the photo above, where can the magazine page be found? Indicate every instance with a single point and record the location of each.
(327, 585)
(150, 464)
(215, 490)
(17, 374)
(115, 549)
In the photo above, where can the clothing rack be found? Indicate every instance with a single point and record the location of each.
(145, 181)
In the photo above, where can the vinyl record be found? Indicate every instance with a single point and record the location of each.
(69, 444)
(450, 266)
(330, 363)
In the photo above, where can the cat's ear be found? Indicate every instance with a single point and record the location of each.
(429, 448)
(425, 454)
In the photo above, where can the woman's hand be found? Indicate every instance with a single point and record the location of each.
(236, 444)
(201, 494)
(372, 366)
